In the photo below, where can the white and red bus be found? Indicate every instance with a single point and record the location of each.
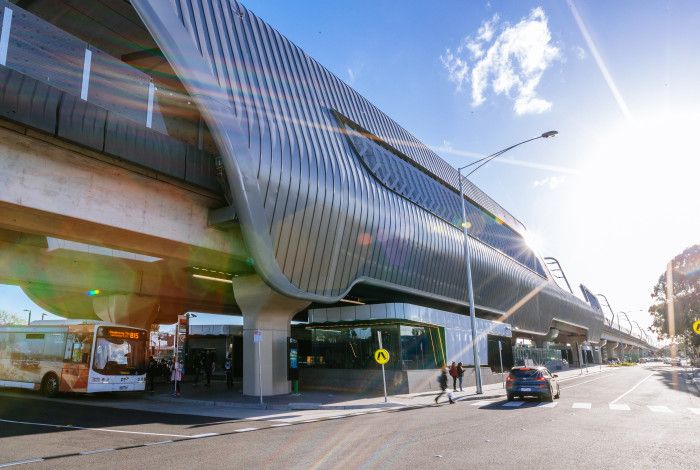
(80, 356)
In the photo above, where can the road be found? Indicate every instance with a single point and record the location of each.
(638, 417)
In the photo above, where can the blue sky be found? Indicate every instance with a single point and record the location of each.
(613, 196)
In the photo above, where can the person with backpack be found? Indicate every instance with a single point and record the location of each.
(453, 374)
(442, 380)
(228, 366)
(460, 375)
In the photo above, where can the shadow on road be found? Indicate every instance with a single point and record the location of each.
(677, 378)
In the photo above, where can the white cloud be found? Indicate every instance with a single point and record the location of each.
(551, 182)
(508, 59)
(580, 52)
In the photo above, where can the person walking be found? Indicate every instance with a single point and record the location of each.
(151, 371)
(209, 367)
(442, 380)
(460, 375)
(228, 366)
(453, 374)
(176, 376)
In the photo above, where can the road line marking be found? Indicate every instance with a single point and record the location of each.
(695, 410)
(619, 407)
(280, 425)
(19, 462)
(581, 383)
(68, 426)
(482, 403)
(631, 389)
(309, 421)
(513, 403)
(96, 451)
(659, 409)
(158, 443)
(246, 430)
(581, 405)
(547, 405)
(206, 434)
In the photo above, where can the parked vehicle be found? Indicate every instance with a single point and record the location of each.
(532, 381)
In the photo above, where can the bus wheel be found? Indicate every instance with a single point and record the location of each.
(49, 386)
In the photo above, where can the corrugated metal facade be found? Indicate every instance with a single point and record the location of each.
(314, 218)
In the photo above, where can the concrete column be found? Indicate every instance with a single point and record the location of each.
(265, 310)
(127, 309)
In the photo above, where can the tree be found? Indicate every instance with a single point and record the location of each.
(9, 318)
(685, 274)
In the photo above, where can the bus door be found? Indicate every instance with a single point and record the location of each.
(76, 363)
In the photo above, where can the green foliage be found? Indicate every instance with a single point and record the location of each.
(10, 318)
(622, 364)
(686, 299)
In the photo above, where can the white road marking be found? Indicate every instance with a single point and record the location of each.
(482, 403)
(619, 407)
(581, 405)
(280, 425)
(246, 429)
(206, 434)
(513, 403)
(695, 410)
(581, 383)
(96, 451)
(19, 462)
(631, 389)
(158, 443)
(547, 405)
(68, 426)
(659, 409)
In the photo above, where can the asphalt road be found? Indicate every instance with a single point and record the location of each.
(640, 417)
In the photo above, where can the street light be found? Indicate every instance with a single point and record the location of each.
(29, 319)
(467, 251)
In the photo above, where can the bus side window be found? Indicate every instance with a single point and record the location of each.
(68, 354)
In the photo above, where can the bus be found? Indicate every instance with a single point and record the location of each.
(73, 356)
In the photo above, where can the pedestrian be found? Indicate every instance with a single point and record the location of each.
(151, 371)
(176, 376)
(442, 380)
(208, 367)
(228, 365)
(453, 374)
(196, 368)
(460, 375)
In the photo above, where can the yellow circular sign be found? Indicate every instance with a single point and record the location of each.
(696, 327)
(381, 356)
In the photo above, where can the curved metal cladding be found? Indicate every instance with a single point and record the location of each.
(315, 216)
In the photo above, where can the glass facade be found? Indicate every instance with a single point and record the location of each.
(352, 346)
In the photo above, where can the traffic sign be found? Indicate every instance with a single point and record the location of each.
(696, 327)
(381, 356)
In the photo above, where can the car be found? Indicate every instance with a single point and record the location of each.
(532, 381)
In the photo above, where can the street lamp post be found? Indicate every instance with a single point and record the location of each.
(29, 318)
(467, 250)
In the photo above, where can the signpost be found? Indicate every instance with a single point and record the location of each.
(293, 364)
(257, 339)
(181, 332)
(381, 355)
(696, 327)
(500, 357)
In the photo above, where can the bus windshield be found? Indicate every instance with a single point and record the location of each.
(120, 351)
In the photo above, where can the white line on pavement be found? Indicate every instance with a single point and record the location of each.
(482, 403)
(631, 389)
(246, 429)
(158, 443)
(96, 451)
(513, 403)
(19, 462)
(581, 405)
(547, 405)
(659, 409)
(619, 407)
(206, 434)
(68, 426)
(280, 425)
(587, 381)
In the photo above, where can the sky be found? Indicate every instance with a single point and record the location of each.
(613, 197)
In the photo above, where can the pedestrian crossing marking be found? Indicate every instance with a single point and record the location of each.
(481, 403)
(548, 405)
(695, 410)
(659, 409)
(513, 403)
(582, 406)
(619, 407)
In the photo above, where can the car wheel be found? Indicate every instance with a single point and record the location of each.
(549, 397)
(49, 385)
(510, 397)
(558, 393)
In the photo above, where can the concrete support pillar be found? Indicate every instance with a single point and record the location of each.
(265, 310)
(127, 309)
